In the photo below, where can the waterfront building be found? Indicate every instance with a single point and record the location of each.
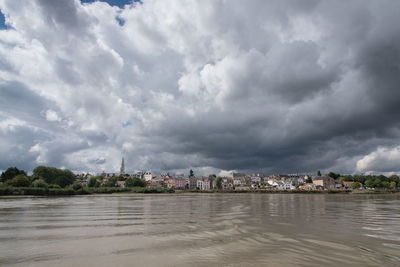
(148, 176)
(256, 179)
(308, 187)
(180, 183)
(206, 184)
(199, 184)
(191, 183)
(120, 183)
(238, 181)
(325, 182)
(171, 183)
(227, 183)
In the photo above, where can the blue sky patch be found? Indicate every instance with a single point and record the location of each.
(118, 3)
(2, 21)
(126, 124)
(120, 20)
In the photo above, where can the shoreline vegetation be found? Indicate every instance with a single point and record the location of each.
(49, 181)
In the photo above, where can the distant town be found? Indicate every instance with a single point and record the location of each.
(52, 181)
(242, 181)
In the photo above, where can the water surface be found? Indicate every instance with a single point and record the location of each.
(201, 230)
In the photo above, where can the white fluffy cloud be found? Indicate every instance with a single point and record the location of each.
(382, 160)
(274, 86)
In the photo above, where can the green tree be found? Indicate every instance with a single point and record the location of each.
(19, 181)
(218, 183)
(377, 183)
(92, 181)
(309, 180)
(112, 181)
(10, 173)
(39, 183)
(355, 185)
(76, 186)
(383, 178)
(386, 184)
(54, 176)
(394, 178)
(135, 182)
(319, 173)
(341, 180)
(191, 173)
(334, 175)
(369, 183)
(392, 184)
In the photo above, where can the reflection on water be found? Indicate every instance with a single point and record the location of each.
(201, 230)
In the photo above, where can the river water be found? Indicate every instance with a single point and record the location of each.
(201, 230)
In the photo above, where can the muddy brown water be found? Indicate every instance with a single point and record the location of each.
(201, 230)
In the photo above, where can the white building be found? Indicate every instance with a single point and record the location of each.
(148, 176)
(199, 184)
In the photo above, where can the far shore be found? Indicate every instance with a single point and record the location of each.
(193, 192)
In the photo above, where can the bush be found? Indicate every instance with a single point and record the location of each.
(60, 192)
(92, 181)
(135, 182)
(56, 186)
(82, 191)
(40, 183)
(355, 185)
(112, 181)
(35, 191)
(76, 186)
(19, 181)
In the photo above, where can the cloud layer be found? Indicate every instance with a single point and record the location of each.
(271, 86)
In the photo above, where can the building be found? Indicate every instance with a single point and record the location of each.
(307, 187)
(180, 183)
(171, 183)
(148, 176)
(120, 184)
(239, 181)
(325, 182)
(191, 183)
(227, 183)
(256, 179)
(199, 184)
(206, 184)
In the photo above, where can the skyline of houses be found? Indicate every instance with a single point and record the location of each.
(237, 181)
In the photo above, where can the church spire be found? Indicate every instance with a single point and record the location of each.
(122, 171)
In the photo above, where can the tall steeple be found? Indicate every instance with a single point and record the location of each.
(122, 171)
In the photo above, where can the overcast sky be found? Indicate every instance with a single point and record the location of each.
(277, 86)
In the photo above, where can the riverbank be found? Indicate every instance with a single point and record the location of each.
(34, 191)
(37, 191)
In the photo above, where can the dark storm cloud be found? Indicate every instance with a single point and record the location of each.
(272, 86)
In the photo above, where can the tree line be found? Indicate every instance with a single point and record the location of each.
(369, 181)
(50, 177)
